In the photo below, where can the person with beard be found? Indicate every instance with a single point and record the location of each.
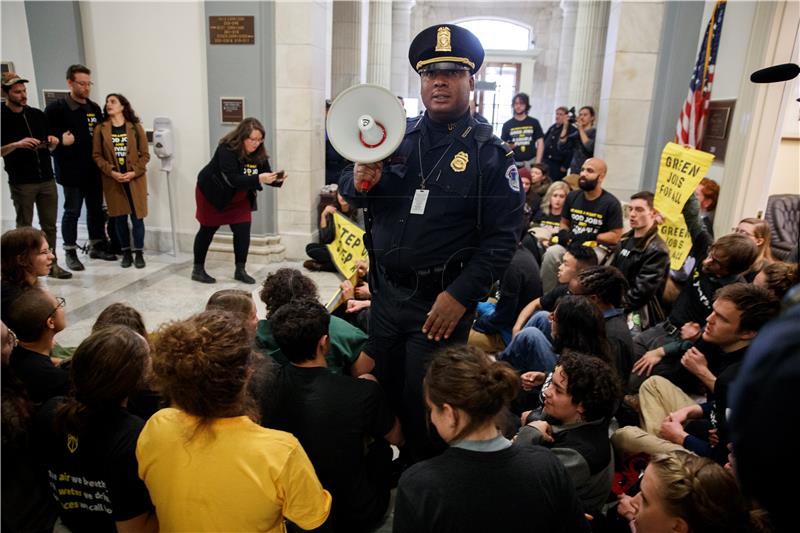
(443, 224)
(591, 216)
(26, 149)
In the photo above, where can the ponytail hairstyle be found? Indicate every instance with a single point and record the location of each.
(468, 380)
(607, 283)
(108, 367)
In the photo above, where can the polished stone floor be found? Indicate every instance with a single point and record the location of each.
(162, 291)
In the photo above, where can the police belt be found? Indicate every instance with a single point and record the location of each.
(427, 282)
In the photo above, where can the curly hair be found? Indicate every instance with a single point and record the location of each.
(591, 382)
(202, 365)
(127, 110)
(779, 277)
(701, 492)
(18, 247)
(298, 326)
(120, 314)
(285, 285)
(108, 367)
(605, 282)
(467, 379)
(579, 326)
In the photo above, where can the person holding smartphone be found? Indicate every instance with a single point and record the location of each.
(226, 194)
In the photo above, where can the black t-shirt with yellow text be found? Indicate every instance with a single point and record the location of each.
(600, 215)
(119, 139)
(524, 134)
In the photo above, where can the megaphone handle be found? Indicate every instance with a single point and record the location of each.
(365, 186)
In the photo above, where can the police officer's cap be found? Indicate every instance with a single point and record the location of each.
(445, 47)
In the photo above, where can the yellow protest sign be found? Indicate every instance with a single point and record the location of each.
(676, 235)
(678, 176)
(348, 246)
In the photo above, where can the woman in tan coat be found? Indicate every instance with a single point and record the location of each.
(121, 153)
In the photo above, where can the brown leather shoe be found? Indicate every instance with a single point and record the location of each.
(313, 266)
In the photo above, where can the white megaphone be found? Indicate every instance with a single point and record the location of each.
(366, 123)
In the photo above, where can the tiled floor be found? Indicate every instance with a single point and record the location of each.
(161, 291)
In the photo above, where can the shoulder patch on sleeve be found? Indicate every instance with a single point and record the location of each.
(512, 176)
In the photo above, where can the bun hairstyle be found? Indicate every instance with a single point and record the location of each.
(467, 379)
(202, 365)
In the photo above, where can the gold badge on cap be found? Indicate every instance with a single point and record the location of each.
(459, 162)
(443, 40)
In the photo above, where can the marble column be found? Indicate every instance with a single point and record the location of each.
(346, 46)
(401, 38)
(569, 15)
(300, 55)
(588, 50)
(627, 95)
(379, 43)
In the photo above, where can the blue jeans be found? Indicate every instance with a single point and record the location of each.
(73, 200)
(530, 350)
(541, 321)
(124, 233)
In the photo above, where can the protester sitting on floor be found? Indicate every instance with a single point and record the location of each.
(38, 316)
(344, 424)
(758, 231)
(740, 310)
(481, 482)
(27, 504)
(546, 220)
(25, 256)
(684, 493)
(719, 263)
(357, 299)
(520, 285)
(236, 301)
(145, 401)
(578, 405)
(346, 355)
(577, 259)
(777, 278)
(643, 258)
(207, 465)
(606, 286)
(577, 325)
(318, 251)
(90, 436)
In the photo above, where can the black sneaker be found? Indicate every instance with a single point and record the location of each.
(58, 273)
(241, 275)
(127, 259)
(73, 263)
(138, 259)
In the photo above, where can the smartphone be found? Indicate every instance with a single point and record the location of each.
(279, 180)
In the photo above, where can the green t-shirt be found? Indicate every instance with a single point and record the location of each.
(347, 343)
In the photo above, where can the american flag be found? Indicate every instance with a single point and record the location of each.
(692, 120)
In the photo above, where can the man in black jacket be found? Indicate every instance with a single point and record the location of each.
(72, 120)
(26, 149)
(643, 257)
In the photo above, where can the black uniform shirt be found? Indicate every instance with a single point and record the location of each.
(452, 230)
(24, 165)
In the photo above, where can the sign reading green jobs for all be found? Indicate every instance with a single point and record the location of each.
(680, 173)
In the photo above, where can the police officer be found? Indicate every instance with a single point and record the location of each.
(443, 217)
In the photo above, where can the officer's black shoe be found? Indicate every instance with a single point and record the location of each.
(138, 259)
(73, 263)
(199, 274)
(127, 259)
(241, 274)
(99, 250)
(58, 273)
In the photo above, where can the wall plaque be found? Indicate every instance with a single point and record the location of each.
(717, 128)
(231, 109)
(50, 95)
(231, 29)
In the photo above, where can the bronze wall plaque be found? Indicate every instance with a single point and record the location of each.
(232, 29)
(717, 128)
(232, 110)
